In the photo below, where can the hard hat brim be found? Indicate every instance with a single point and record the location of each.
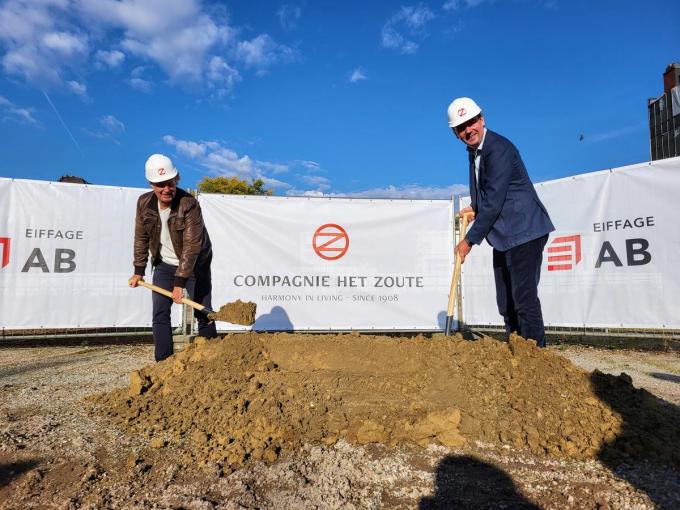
(463, 120)
(171, 174)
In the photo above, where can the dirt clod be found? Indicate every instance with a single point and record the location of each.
(237, 312)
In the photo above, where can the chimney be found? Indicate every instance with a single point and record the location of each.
(671, 78)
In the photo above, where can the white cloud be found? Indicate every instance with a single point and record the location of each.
(180, 45)
(192, 149)
(138, 71)
(217, 159)
(138, 81)
(409, 191)
(415, 16)
(22, 20)
(275, 168)
(320, 183)
(289, 16)
(394, 40)
(221, 76)
(357, 75)
(309, 193)
(275, 183)
(309, 165)
(297, 192)
(111, 59)
(65, 44)
(112, 125)
(141, 84)
(452, 5)
(177, 35)
(409, 20)
(49, 42)
(39, 40)
(262, 52)
(10, 111)
(26, 63)
(220, 160)
(79, 89)
(110, 128)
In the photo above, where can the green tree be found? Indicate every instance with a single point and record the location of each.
(233, 186)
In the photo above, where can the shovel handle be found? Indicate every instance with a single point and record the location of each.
(167, 293)
(455, 277)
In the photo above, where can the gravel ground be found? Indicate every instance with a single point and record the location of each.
(657, 372)
(54, 455)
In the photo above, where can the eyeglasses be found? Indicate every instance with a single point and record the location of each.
(165, 184)
(462, 127)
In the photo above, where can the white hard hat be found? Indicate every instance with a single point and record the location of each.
(159, 168)
(461, 110)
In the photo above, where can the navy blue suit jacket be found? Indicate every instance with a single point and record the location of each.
(507, 209)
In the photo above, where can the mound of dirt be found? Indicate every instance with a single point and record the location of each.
(257, 396)
(237, 312)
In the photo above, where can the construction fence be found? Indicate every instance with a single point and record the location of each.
(337, 264)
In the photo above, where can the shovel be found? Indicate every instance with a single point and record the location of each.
(186, 301)
(455, 278)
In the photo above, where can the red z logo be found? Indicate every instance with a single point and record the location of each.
(330, 241)
(5, 241)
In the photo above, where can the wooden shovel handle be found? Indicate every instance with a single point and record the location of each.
(165, 292)
(456, 268)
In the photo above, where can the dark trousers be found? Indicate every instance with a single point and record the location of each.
(517, 272)
(199, 289)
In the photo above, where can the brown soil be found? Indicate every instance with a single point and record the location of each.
(291, 396)
(251, 396)
(236, 312)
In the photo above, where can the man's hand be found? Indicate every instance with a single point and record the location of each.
(134, 280)
(468, 211)
(177, 295)
(462, 249)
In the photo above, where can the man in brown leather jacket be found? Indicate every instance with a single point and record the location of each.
(169, 227)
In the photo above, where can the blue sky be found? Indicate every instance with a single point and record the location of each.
(325, 97)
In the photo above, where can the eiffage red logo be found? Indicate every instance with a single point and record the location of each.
(564, 253)
(330, 241)
(4, 243)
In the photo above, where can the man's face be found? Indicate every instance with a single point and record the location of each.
(471, 132)
(165, 191)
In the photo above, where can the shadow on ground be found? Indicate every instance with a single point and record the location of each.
(467, 482)
(29, 342)
(11, 470)
(665, 377)
(649, 440)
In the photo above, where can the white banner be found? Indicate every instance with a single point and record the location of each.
(66, 255)
(321, 264)
(324, 264)
(612, 261)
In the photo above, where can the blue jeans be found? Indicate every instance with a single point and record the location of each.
(199, 289)
(517, 272)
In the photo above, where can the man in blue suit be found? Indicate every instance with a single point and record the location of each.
(508, 214)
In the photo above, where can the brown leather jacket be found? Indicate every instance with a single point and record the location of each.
(189, 236)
